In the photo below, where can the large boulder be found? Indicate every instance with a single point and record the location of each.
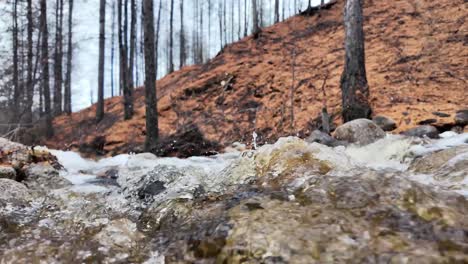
(18, 155)
(423, 131)
(7, 172)
(13, 192)
(43, 177)
(359, 131)
(461, 118)
(386, 123)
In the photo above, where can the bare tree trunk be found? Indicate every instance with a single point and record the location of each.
(58, 79)
(245, 18)
(15, 109)
(45, 69)
(209, 27)
(29, 84)
(354, 87)
(182, 53)
(239, 19)
(68, 101)
(102, 44)
(112, 49)
(277, 11)
(171, 39)
(225, 23)
(255, 26)
(152, 129)
(220, 16)
(158, 29)
(201, 35)
(127, 91)
(131, 63)
(232, 21)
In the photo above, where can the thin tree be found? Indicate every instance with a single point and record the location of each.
(209, 26)
(171, 38)
(58, 58)
(112, 48)
(277, 11)
(245, 18)
(68, 79)
(102, 44)
(16, 87)
(131, 62)
(255, 26)
(220, 18)
(201, 37)
(29, 84)
(152, 130)
(127, 91)
(182, 52)
(45, 69)
(225, 23)
(354, 87)
(232, 21)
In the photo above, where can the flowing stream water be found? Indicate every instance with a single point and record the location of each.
(399, 199)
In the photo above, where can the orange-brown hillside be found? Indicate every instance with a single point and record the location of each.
(417, 61)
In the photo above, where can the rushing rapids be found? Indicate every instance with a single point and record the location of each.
(397, 200)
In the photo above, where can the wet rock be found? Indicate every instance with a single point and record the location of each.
(111, 173)
(461, 117)
(43, 177)
(386, 123)
(151, 189)
(14, 192)
(449, 167)
(19, 155)
(7, 172)
(423, 131)
(121, 233)
(440, 114)
(359, 131)
(324, 139)
(163, 182)
(427, 121)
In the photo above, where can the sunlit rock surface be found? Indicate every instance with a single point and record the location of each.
(396, 200)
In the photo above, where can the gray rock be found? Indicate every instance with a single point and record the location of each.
(443, 161)
(323, 138)
(423, 131)
(386, 123)
(427, 121)
(151, 189)
(43, 177)
(7, 172)
(440, 114)
(14, 192)
(461, 118)
(359, 131)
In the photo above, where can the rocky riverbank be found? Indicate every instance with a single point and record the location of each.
(379, 199)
